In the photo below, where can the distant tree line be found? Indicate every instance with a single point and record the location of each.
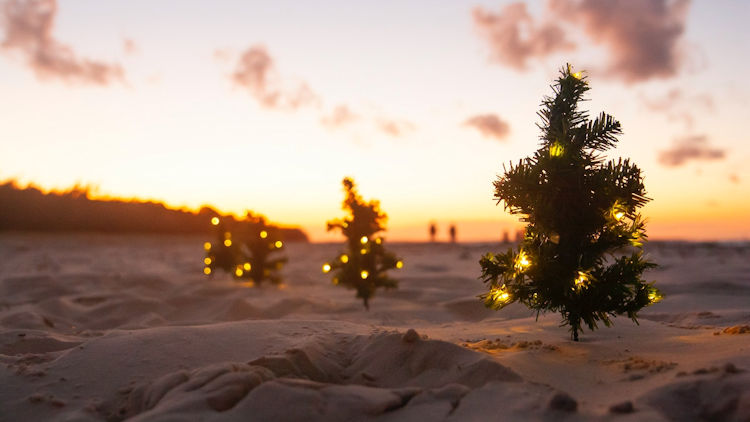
(30, 209)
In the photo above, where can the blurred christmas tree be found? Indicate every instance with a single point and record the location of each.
(245, 248)
(581, 252)
(363, 267)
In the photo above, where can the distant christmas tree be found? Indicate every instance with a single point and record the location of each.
(363, 267)
(581, 253)
(244, 249)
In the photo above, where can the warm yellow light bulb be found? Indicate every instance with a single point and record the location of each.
(364, 274)
(499, 295)
(344, 258)
(522, 262)
(556, 149)
(379, 240)
(577, 75)
(207, 261)
(238, 272)
(228, 243)
(363, 251)
(263, 234)
(247, 266)
(581, 279)
(215, 221)
(206, 271)
(207, 246)
(399, 264)
(326, 267)
(278, 244)
(363, 240)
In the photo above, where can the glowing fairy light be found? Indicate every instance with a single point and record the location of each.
(247, 266)
(335, 281)
(379, 240)
(263, 234)
(363, 251)
(499, 294)
(227, 235)
(363, 240)
(207, 261)
(581, 279)
(278, 244)
(556, 149)
(399, 264)
(206, 271)
(364, 274)
(617, 212)
(238, 272)
(207, 246)
(522, 262)
(228, 242)
(654, 296)
(344, 258)
(326, 267)
(215, 221)
(577, 75)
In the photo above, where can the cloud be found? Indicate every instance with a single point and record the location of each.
(394, 128)
(515, 38)
(734, 178)
(129, 46)
(28, 30)
(690, 148)
(340, 116)
(489, 125)
(678, 106)
(643, 36)
(256, 72)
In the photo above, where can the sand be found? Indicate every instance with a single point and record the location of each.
(105, 327)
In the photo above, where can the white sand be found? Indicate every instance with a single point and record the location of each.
(103, 327)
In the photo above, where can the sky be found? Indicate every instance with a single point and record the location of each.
(268, 105)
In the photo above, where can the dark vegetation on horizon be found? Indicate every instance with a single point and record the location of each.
(30, 209)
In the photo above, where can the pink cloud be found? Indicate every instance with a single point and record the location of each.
(515, 38)
(642, 36)
(256, 72)
(394, 128)
(690, 148)
(28, 30)
(489, 125)
(340, 116)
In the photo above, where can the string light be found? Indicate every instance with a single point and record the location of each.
(654, 296)
(363, 251)
(399, 264)
(522, 262)
(238, 272)
(207, 246)
(228, 242)
(206, 271)
(577, 75)
(379, 240)
(617, 212)
(556, 149)
(278, 244)
(498, 294)
(581, 279)
(215, 221)
(335, 280)
(344, 258)
(263, 234)
(364, 274)
(363, 240)
(207, 261)
(326, 267)
(247, 266)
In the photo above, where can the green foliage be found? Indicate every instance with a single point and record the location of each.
(365, 263)
(581, 252)
(244, 249)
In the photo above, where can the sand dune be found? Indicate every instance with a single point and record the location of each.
(105, 327)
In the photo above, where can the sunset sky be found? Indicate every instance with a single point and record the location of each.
(268, 105)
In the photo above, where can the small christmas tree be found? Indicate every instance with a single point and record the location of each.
(363, 267)
(581, 252)
(245, 250)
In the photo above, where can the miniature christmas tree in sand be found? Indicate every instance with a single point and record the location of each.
(246, 249)
(364, 265)
(581, 252)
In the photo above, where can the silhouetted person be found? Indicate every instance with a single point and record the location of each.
(433, 230)
(452, 232)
